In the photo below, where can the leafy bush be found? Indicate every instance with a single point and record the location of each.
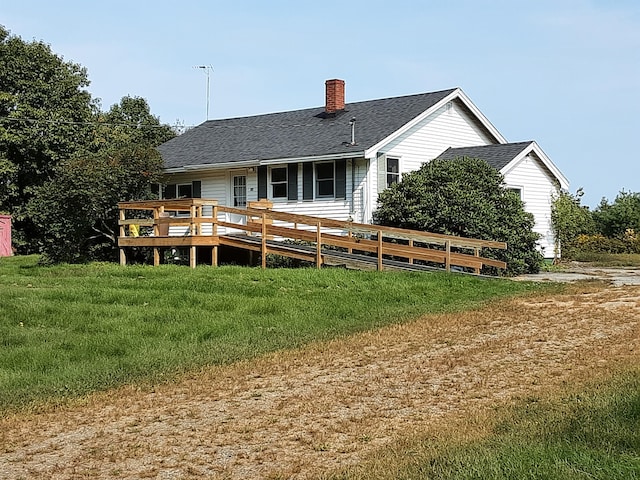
(464, 197)
(598, 243)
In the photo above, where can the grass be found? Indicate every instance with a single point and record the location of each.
(69, 330)
(590, 434)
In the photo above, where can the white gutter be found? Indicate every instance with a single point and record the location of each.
(212, 166)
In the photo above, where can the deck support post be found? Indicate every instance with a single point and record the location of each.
(192, 257)
(411, 246)
(380, 250)
(476, 253)
(319, 245)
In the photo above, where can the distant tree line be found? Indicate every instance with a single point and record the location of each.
(610, 228)
(64, 163)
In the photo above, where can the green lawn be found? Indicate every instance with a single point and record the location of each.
(71, 329)
(586, 435)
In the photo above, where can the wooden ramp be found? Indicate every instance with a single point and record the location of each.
(202, 223)
(330, 257)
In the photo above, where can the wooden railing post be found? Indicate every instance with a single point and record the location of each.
(380, 250)
(192, 223)
(123, 255)
(214, 234)
(263, 247)
(411, 246)
(447, 258)
(156, 250)
(319, 245)
(476, 253)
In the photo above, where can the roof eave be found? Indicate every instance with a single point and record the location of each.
(271, 161)
(547, 162)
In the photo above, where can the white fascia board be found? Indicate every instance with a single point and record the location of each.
(314, 158)
(546, 161)
(213, 166)
(457, 93)
(256, 163)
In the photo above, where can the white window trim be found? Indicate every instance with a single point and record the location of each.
(386, 169)
(516, 187)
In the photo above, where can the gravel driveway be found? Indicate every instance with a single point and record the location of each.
(576, 272)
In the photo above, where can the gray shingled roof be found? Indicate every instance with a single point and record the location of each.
(294, 134)
(495, 155)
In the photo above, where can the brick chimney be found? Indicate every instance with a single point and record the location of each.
(334, 95)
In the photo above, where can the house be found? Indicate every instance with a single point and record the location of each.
(332, 161)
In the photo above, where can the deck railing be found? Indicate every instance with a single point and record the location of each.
(203, 223)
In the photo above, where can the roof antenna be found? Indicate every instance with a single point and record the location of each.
(352, 122)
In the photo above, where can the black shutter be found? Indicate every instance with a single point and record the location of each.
(170, 191)
(307, 181)
(341, 179)
(262, 182)
(292, 181)
(196, 189)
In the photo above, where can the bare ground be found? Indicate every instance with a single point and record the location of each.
(303, 413)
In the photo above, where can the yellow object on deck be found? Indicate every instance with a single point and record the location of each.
(134, 230)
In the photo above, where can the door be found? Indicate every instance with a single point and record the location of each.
(238, 196)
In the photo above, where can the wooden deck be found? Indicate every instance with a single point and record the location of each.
(202, 223)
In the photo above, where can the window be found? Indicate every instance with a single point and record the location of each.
(324, 180)
(279, 182)
(393, 171)
(240, 191)
(184, 190)
(516, 190)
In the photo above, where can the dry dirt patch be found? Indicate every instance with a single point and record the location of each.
(301, 413)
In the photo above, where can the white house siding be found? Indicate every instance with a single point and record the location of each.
(337, 209)
(217, 185)
(537, 186)
(449, 126)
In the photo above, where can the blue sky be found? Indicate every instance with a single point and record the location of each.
(565, 73)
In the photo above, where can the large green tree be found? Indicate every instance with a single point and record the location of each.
(45, 114)
(127, 123)
(76, 210)
(464, 197)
